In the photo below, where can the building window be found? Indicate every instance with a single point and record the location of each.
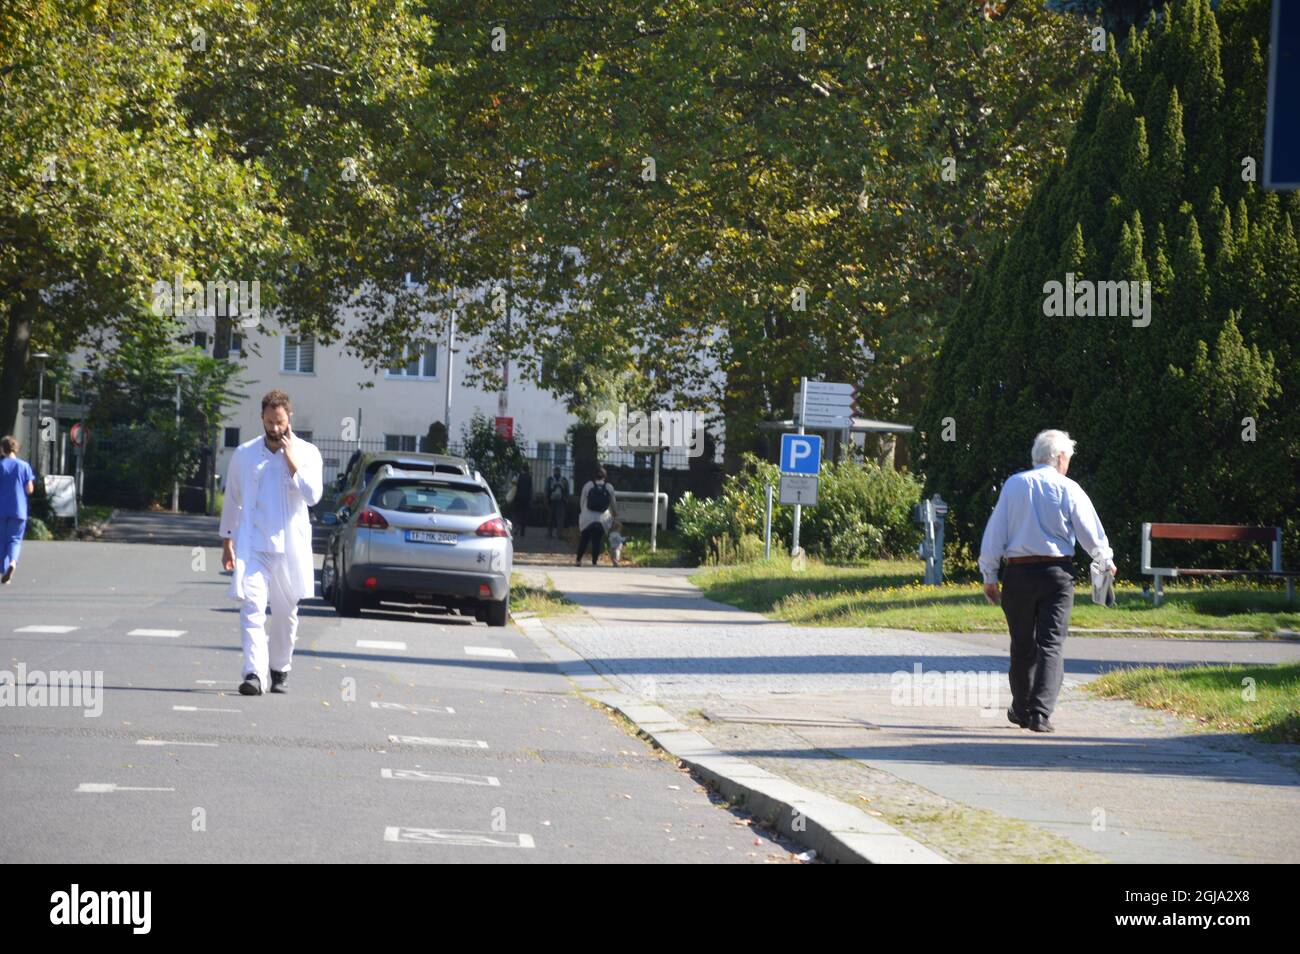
(404, 443)
(556, 452)
(232, 437)
(201, 340)
(418, 361)
(236, 341)
(299, 354)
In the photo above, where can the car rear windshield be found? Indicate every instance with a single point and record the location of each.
(428, 496)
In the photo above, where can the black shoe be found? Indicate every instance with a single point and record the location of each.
(1016, 718)
(1041, 724)
(278, 679)
(251, 686)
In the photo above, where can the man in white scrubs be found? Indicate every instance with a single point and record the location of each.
(266, 541)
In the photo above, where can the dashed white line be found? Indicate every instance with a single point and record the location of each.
(379, 644)
(202, 709)
(46, 629)
(164, 633)
(206, 745)
(403, 707)
(416, 775)
(444, 743)
(491, 652)
(100, 788)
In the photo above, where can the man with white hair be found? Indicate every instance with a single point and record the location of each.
(1038, 515)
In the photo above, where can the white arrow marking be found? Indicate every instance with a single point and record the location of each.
(411, 708)
(416, 775)
(445, 743)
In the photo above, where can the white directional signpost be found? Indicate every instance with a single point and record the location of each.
(827, 405)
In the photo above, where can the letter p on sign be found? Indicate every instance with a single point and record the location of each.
(800, 453)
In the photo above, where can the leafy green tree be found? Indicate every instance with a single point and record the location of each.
(1185, 419)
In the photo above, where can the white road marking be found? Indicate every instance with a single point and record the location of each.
(379, 644)
(491, 652)
(103, 787)
(202, 709)
(165, 633)
(46, 629)
(412, 708)
(448, 836)
(416, 775)
(216, 682)
(445, 743)
(208, 745)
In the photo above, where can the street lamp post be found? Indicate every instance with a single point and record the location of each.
(176, 484)
(38, 439)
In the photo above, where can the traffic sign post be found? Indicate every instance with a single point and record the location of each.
(1282, 126)
(799, 489)
(801, 453)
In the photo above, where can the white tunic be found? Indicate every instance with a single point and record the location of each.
(266, 509)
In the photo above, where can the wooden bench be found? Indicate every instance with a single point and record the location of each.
(1214, 531)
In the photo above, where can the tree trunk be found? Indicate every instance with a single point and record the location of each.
(13, 362)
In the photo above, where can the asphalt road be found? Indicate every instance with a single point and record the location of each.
(460, 743)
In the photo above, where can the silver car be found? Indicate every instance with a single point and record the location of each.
(436, 538)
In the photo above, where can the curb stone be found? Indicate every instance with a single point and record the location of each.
(838, 832)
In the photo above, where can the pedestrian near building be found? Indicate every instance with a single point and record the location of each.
(616, 541)
(17, 482)
(523, 502)
(597, 503)
(557, 499)
(266, 541)
(1034, 525)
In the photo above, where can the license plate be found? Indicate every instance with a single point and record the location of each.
(431, 536)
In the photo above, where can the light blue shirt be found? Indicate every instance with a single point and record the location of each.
(1038, 514)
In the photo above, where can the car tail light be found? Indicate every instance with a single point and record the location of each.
(372, 519)
(484, 590)
(371, 583)
(496, 527)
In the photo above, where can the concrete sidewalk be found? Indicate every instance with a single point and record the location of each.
(821, 707)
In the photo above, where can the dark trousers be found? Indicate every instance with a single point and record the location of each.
(1037, 599)
(557, 517)
(595, 533)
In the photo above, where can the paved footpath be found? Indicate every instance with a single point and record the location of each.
(816, 705)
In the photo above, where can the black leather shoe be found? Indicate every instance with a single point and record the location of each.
(1041, 724)
(1016, 718)
(251, 686)
(278, 679)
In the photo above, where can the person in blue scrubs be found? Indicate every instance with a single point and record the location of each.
(16, 481)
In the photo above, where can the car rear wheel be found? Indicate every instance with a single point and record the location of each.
(346, 602)
(497, 612)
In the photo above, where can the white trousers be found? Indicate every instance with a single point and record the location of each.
(266, 578)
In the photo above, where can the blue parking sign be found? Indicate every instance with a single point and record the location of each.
(800, 453)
